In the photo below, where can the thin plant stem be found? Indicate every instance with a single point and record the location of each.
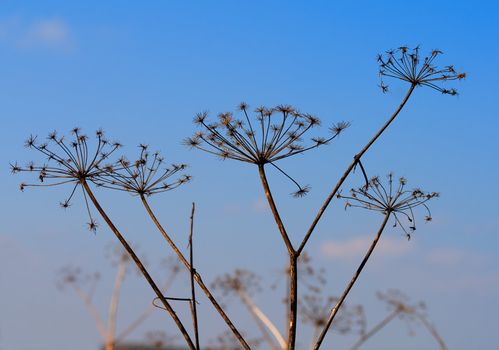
(317, 330)
(193, 288)
(380, 325)
(433, 332)
(293, 262)
(197, 276)
(356, 275)
(263, 320)
(351, 167)
(139, 264)
(275, 212)
(92, 310)
(113, 305)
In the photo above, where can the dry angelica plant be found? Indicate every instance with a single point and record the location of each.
(271, 135)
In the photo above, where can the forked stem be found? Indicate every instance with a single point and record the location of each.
(293, 262)
(197, 276)
(352, 165)
(140, 265)
(356, 275)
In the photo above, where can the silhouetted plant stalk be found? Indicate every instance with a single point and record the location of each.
(193, 287)
(76, 164)
(145, 177)
(268, 141)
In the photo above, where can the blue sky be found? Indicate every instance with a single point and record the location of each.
(142, 70)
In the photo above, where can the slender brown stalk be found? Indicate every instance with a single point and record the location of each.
(113, 305)
(197, 276)
(275, 212)
(193, 288)
(433, 332)
(356, 275)
(293, 262)
(376, 329)
(139, 264)
(351, 167)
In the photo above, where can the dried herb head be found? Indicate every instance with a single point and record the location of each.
(144, 176)
(68, 161)
(392, 198)
(277, 133)
(407, 65)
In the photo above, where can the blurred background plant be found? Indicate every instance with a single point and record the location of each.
(85, 284)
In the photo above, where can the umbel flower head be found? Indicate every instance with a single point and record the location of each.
(276, 134)
(144, 176)
(392, 198)
(407, 65)
(68, 162)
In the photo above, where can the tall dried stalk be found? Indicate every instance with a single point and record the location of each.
(193, 287)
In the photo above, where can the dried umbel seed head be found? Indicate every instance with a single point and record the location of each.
(407, 65)
(240, 281)
(277, 133)
(408, 311)
(70, 276)
(315, 310)
(68, 161)
(144, 176)
(392, 198)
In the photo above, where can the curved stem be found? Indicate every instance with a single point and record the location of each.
(263, 320)
(375, 329)
(140, 265)
(350, 168)
(356, 275)
(433, 332)
(197, 276)
(113, 306)
(92, 310)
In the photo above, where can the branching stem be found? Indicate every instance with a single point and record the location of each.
(350, 168)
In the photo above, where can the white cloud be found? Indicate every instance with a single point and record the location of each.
(51, 34)
(357, 247)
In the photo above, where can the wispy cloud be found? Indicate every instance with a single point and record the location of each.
(356, 247)
(452, 257)
(49, 33)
